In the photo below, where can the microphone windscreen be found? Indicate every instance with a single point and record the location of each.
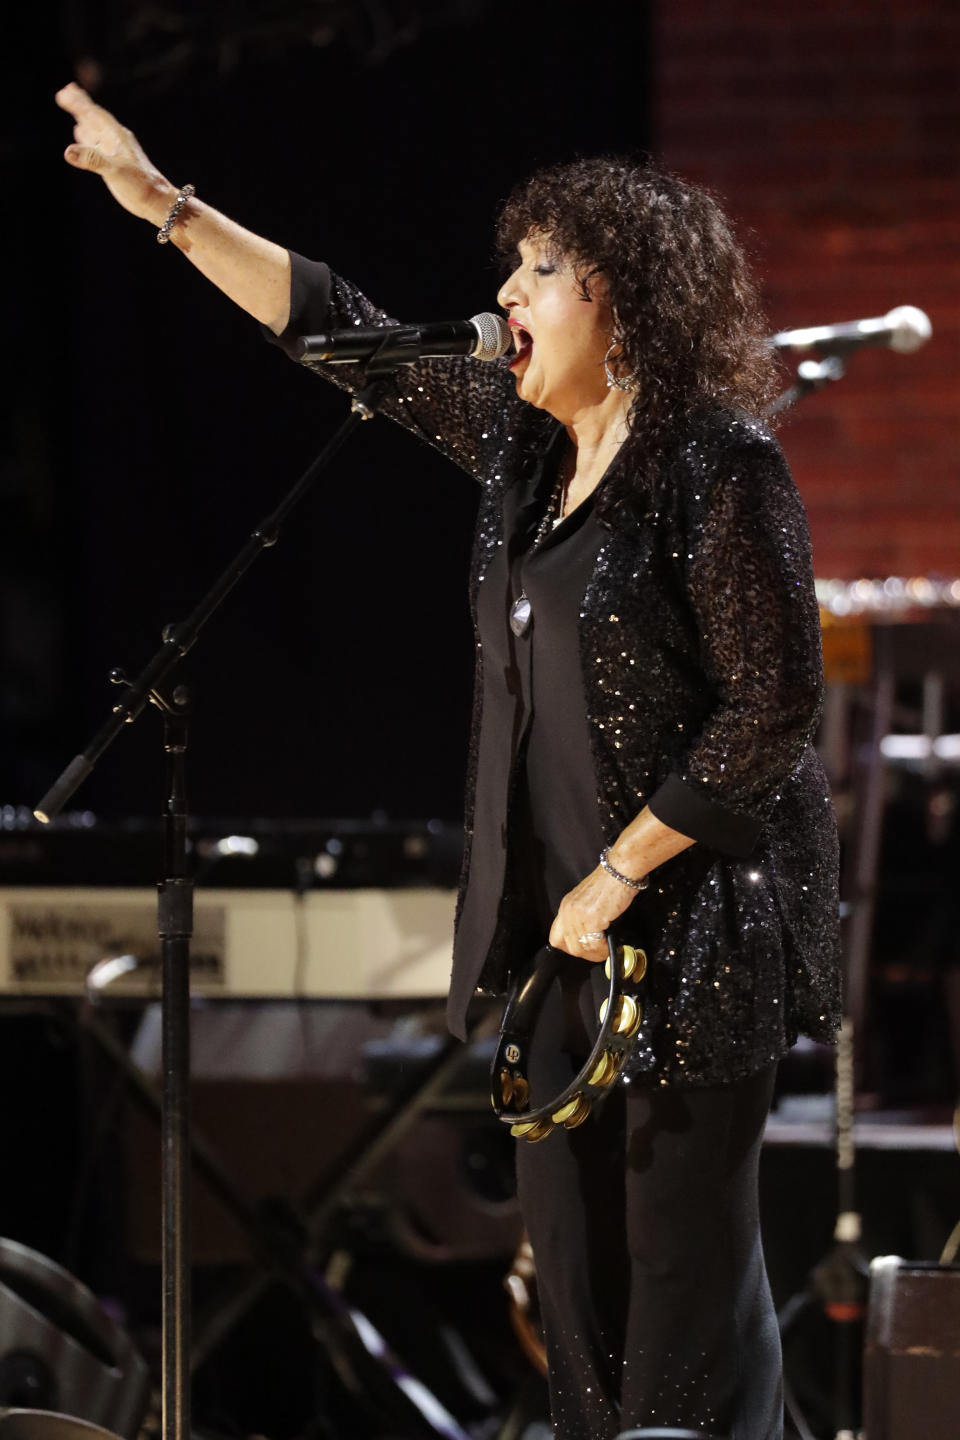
(494, 333)
(910, 329)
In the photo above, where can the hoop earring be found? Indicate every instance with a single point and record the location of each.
(617, 382)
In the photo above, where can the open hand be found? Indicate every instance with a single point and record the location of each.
(105, 146)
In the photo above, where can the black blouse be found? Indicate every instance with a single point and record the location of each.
(533, 760)
(698, 639)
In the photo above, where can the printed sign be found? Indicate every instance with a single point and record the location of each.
(54, 944)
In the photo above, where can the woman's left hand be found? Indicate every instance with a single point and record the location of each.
(588, 911)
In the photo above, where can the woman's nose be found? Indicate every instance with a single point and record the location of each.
(508, 294)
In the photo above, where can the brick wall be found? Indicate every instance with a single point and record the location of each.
(833, 132)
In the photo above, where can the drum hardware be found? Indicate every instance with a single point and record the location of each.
(20, 1424)
(666, 1432)
(621, 1015)
(521, 1286)
(61, 1351)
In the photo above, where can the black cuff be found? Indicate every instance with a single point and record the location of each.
(681, 807)
(309, 303)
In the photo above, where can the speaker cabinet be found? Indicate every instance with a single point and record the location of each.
(912, 1351)
(447, 1189)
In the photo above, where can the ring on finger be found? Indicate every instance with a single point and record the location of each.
(590, 936)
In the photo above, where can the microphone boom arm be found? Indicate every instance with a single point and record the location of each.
(812, 375)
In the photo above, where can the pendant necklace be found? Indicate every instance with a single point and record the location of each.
(521, 611)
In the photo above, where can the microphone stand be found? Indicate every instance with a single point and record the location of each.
(160, 684)
(812, 375)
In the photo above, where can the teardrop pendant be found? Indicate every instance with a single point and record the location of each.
(521, 614)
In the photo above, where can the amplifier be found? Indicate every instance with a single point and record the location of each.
(247, 944)
(912, 1356)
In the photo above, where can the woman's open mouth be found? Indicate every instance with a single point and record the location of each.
(522, 342)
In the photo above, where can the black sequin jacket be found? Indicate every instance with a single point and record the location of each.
(700, 644)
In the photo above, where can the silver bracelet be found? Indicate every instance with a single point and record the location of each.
(163, 234)
(624, 879)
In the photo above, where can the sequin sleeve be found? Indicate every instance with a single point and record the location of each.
(749, 582)
(465, 408)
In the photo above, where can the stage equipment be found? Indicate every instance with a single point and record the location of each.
(444, 1195)
(912, 1344)
(949, 1252)
(895, 596)
(17, 1424)
(894, 650)
(484, 337)
(521, 1286)
(839, 1281)
(160, 683)
(923, 653)
(620, 1018)
(666, 1432)
(239, 853)
(249, 944)
(904, 329)
(61, 1351)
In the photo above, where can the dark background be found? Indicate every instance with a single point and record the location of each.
(147, 428)
(150, 427)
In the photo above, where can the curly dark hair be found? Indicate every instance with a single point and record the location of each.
(686, 309)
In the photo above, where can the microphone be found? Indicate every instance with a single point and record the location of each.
(905, 329)
(485, 337)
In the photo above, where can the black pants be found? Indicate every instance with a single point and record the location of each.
(645, 1230)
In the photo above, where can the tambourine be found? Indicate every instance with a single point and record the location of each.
(621, 1015)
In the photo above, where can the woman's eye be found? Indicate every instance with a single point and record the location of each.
(544, 269)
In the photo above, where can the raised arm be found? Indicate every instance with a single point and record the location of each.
(468, 410)
(252, 271)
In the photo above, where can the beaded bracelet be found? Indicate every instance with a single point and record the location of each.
(163, 234)
(624, 879)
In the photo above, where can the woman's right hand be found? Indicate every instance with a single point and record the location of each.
(252, 270)
(103, 145)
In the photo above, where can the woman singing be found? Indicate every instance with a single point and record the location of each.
(648, 683)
